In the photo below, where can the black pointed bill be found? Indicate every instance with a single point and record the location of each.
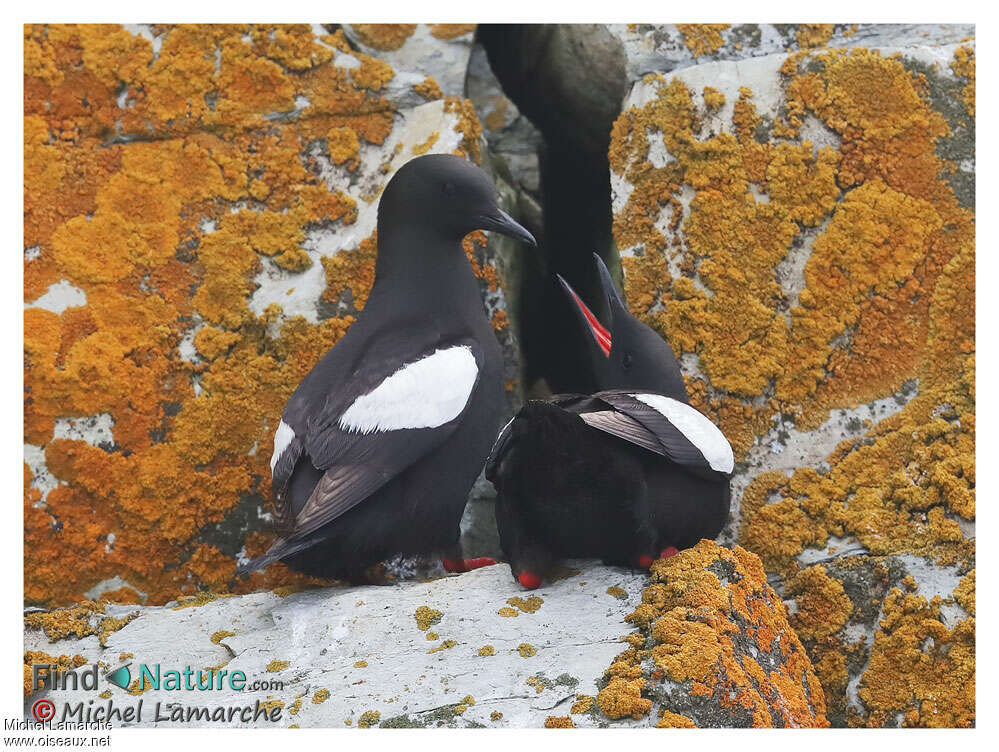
(504, 224)
(599, 332)
(613, 299)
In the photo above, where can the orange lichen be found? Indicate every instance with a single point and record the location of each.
(451, 31)
(368, 718)
(559, 721)
(823, 605)
(384, 36)
(674, 720)
(487, 650)
(964, 593)
(446, 645)
(320, 696)
(713, 99)
(343, 145)
(276, 665)
(702, 39)
(814, 35)
(919, 667)
(617, 592)
(622, 698)
(34, 658)
(963, 65)
(712, 633)
(508, 612)
(582, 704)
(528, 605)
(429, 89)
(526, 650)
(426, 617)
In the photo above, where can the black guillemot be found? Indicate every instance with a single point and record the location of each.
(625, 474)
(379, 445)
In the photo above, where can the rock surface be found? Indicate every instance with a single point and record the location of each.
(469, 650)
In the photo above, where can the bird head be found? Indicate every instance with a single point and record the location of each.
(446, 195)
(627, 354)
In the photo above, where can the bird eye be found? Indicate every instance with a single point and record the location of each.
(448, 189)
(626, 360)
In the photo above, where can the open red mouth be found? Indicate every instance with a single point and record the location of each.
(600, 333)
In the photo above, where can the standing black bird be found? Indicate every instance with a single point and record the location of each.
(621, 474)
(379, 445)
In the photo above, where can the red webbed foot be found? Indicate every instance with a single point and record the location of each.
(529, 580)
(645, 561)
(466, 565)
(668, 552)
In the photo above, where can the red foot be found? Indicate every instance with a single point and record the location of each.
(645, 561)
(529, 580)
(466, 565)
(668, 552)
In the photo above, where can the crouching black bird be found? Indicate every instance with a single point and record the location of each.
(380, 444)
(622, 474)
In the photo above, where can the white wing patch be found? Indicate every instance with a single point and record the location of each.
(424, 394)
(282, 438)
(700, 431)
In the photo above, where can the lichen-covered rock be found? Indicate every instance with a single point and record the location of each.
(714, 649)
(892, 639)
(661, 48)
(467, 650)
(801, 228)
(199, 214)
(472, 650)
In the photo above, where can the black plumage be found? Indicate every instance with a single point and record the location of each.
(625, 474)
(382, 440)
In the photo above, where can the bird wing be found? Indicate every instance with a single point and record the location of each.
(393, 410)
(666, 426)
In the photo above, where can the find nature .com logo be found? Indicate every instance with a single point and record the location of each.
(155, 677)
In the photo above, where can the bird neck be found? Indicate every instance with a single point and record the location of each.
(434, 270)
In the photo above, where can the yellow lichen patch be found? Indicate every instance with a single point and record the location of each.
(426, 617)
(276, 665)
(617, 592)
(713, 99)
(964, 593)
(814, 35)
(39, 658)
(433, 636)
(384, 36)
(526, 650)
(487, 650)
(320, 696)
(674, 720)
(423, 148)
(508, 612)
(528, 606)
(713, 634)
(582, 704)
(622, 698)
(368, 718)
(934, 686)
(361, 664)
(451, 31)
(495, 716)
(963, 65)
(429, 89)
(446, 645)
(559, 721)
(823, 605)
(343, 145)
(702, 39)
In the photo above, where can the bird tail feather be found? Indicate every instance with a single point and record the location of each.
(278, 551)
